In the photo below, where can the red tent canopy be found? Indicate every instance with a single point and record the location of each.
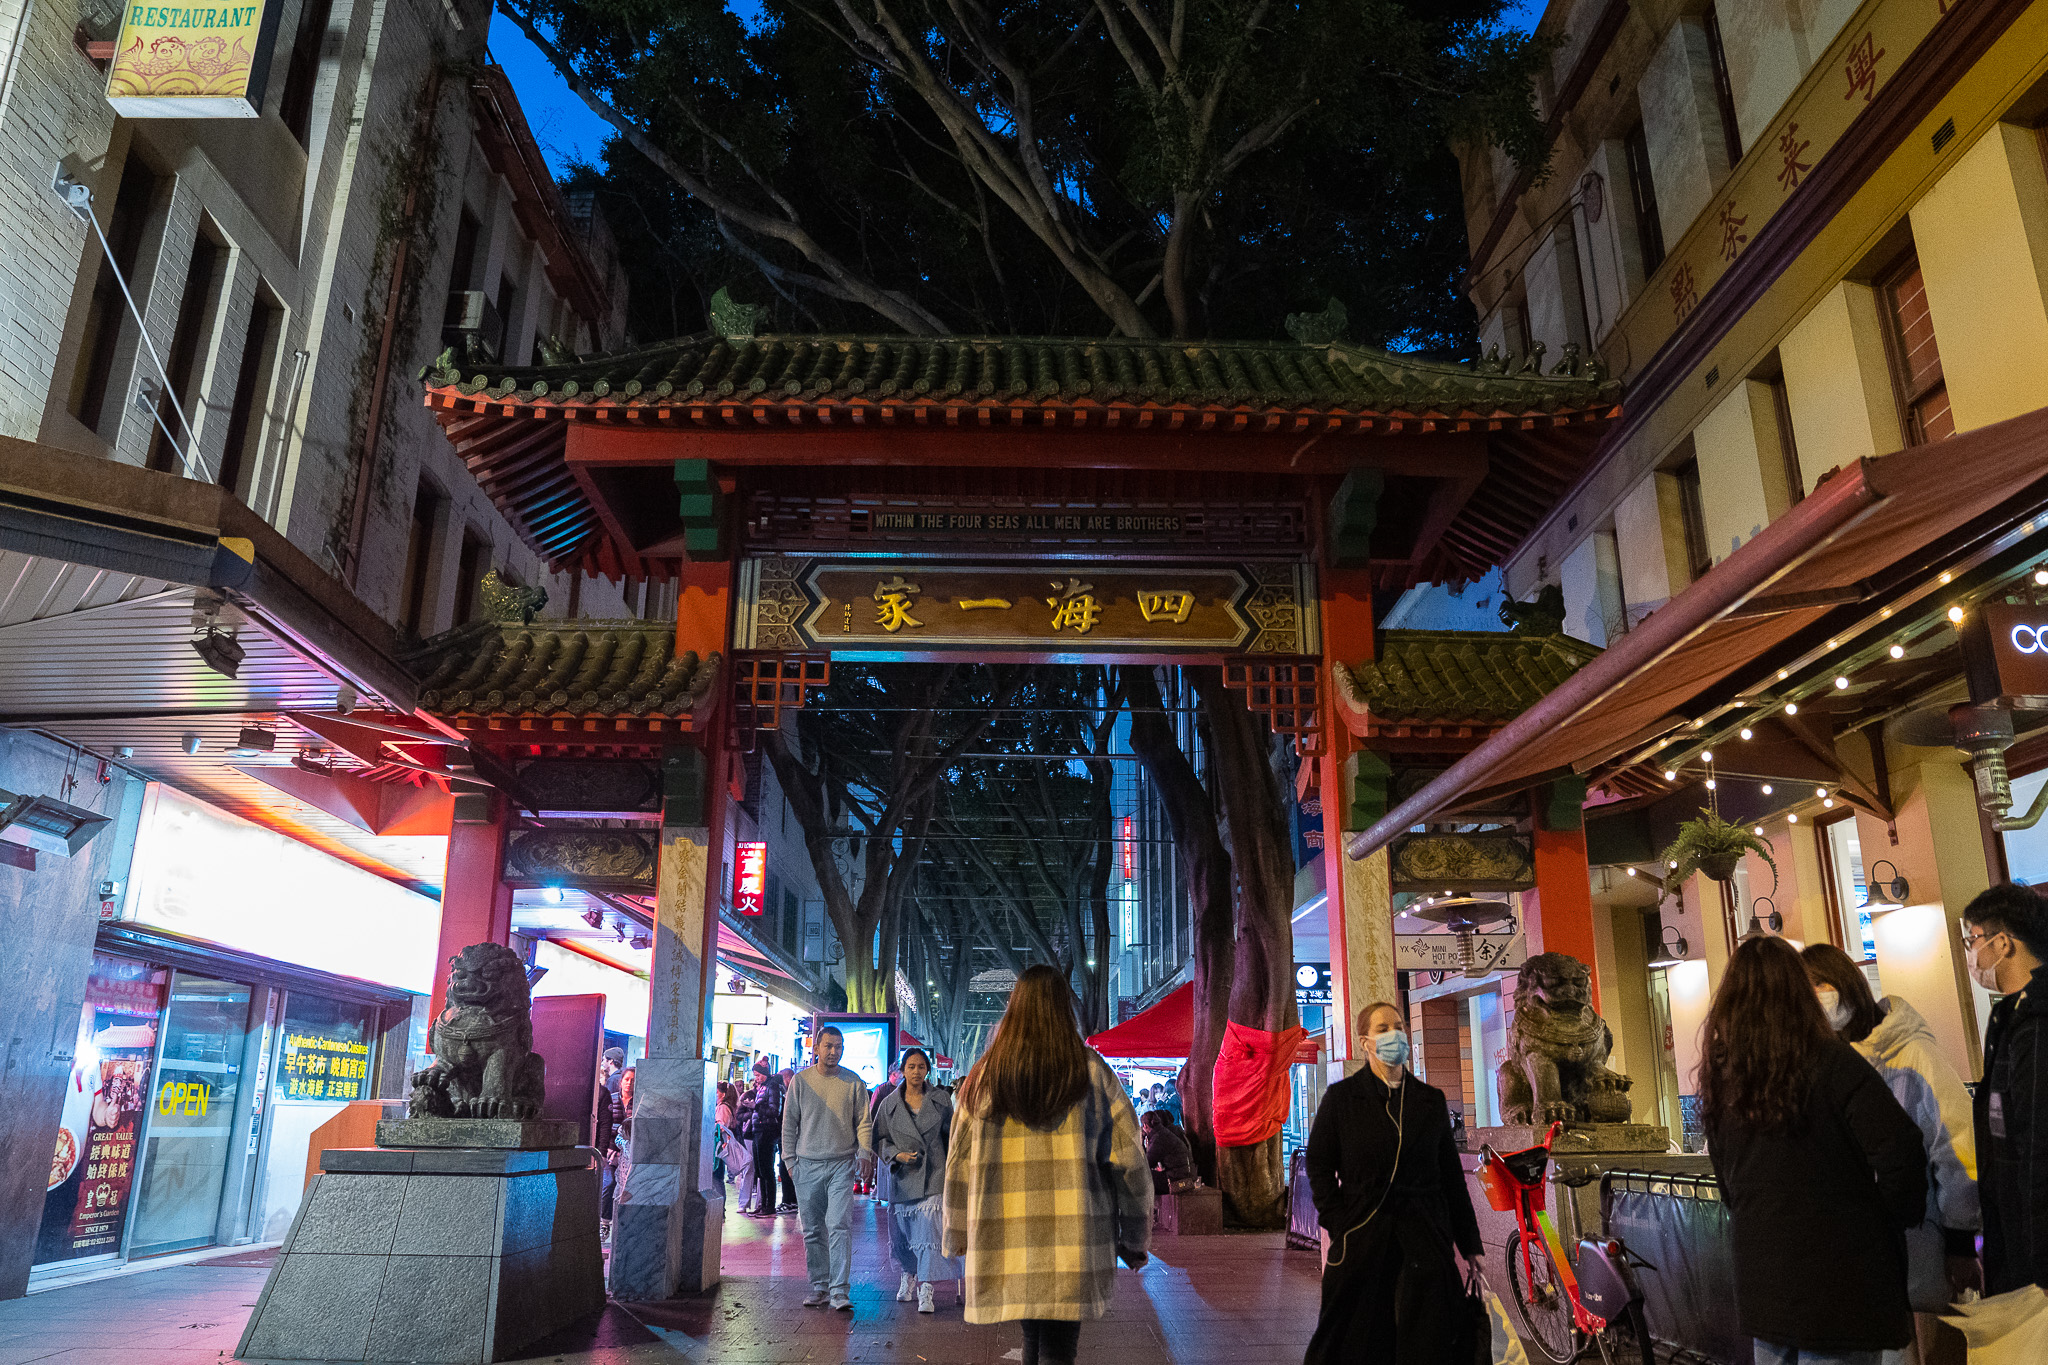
(1168, 1030)
(909, 1039)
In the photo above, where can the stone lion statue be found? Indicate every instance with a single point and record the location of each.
(484, 1063)
(1557, 1051)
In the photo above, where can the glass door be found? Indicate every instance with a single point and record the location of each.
(1670, 1112)
(191, 1115)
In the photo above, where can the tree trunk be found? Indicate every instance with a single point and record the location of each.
(1191, 817)
(1261, 984)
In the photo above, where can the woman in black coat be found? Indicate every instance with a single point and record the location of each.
(1390, 1189)
(1820, 1168)
(1166, 1150)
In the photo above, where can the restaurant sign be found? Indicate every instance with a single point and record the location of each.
(198, 61)
(884, 607)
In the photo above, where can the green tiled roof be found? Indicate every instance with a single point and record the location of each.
(1336, 376)
(1468, 676)
(552, 668)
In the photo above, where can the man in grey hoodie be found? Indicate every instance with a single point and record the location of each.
(826, 1130)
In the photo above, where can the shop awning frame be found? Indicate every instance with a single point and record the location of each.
(1819, 557)
(1167, 1030)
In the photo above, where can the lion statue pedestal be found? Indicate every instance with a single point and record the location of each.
(469, 1230)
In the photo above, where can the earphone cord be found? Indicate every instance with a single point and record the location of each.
(1400, 1135)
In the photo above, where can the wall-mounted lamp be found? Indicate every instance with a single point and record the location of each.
(47, 825)
(1758, 920)
(1671, 949)
(219, 652)
(1886, 893)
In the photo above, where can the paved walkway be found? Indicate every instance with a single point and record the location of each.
(1230, 1300)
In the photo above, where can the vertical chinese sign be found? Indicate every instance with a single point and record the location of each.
(1128, 852)
(92, 1171)
(749, 878)
(203, 61)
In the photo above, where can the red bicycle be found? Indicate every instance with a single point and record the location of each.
(1562, 1307)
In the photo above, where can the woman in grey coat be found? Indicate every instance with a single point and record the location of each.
(912, 1126)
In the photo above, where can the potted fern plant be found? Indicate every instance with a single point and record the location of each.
(1713, 846)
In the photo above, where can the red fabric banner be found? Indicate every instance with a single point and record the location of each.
(1251, 1083)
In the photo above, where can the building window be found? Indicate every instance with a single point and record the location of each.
(419, 554)
(1847, 896)
(469, 575)
(508, 301)
(1514, 326)
(302, 73)
(1692, 513)
(462, 268)
(259, 358)
(107, 315)
(1724, 90)
(1642, 190)
(1788, 448)
(1916, 361)
(188, 344)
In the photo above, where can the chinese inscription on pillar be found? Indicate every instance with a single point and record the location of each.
(1791, 146)
(1861, 69)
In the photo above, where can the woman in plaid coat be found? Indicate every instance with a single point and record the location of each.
(1047, 1183)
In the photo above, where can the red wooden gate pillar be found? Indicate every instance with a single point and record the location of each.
(668, 1220)
(1558, 915)
(1360, 907)
(476, 905)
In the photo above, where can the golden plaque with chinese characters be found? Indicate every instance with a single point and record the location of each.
(918, 606)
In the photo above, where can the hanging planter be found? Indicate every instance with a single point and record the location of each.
(1715, 847)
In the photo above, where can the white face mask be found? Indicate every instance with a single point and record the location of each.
(1831, 1005)
(1983, 973)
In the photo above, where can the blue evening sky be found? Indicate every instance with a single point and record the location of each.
(566, 129)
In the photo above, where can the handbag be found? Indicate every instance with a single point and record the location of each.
(1475, 1322)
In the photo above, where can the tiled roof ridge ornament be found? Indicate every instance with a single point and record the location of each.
(733, 320)
(1319, 329)
(1542, 614)
(504, 601)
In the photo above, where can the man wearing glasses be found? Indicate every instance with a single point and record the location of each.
(2005, 943)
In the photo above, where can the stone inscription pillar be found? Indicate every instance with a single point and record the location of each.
(668, 1219)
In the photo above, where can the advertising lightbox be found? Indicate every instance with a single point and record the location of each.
(870, 1044)
(196, 61)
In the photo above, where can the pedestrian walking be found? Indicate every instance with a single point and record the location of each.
(623, 1132)
(604, 1138)
(2005, 946)
(788, 1204)
(1941, 1253)
(1390, 1190)
(760, 1128)
(1820, 1167)
(1046, 1186)
(913, 1130)
(728, 1104)
(827, 1137)
(1167, 1152)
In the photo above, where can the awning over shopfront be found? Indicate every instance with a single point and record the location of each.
(1168, 1030)
(905, 1038)
(1875, 530)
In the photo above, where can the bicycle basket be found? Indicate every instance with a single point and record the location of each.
(1506, 1177)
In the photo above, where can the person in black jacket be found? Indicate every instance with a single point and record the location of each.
(761, 1126)
(2005, 943)
(1390, 1189)
(1166, 1151)
(1821, 1169)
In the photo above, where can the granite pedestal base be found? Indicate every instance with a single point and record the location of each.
(433, 1255)
(509, 1133)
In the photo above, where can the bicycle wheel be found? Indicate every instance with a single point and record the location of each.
(1541, 1304)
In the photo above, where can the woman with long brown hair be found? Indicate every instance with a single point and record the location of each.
(1043, 1117)
(1820, 1168)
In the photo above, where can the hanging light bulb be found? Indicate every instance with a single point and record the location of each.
(1791, 708)
(1955, 614)
(1898, 651)
(1759, 831)
(1707, 756)
(1670, 775)
(1829, 803)
(1820, 792)
(1746, 733)
(1631, 872)
(1710, 784)
(1841, 682)
(1767, 789)
(2041, 578)
(1793, 818)
(1674, 865)
(1946, 575)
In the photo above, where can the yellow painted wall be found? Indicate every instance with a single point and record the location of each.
(1731, 444)
(1837, 383)
(1982, 238)
(1691, 994)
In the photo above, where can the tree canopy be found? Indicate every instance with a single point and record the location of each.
(1135, 167)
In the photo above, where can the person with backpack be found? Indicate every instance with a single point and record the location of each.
(2005, 949)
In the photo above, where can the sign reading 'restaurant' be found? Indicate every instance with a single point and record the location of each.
(192, 61)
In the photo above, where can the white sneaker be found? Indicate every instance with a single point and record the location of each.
(927, 1299)
(906, 1288)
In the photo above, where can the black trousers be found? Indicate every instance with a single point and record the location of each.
(1396, 1298)
(1050, 1340)
(788, 1185)
(764, 1168)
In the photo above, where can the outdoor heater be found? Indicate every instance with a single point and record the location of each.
(47, 825)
